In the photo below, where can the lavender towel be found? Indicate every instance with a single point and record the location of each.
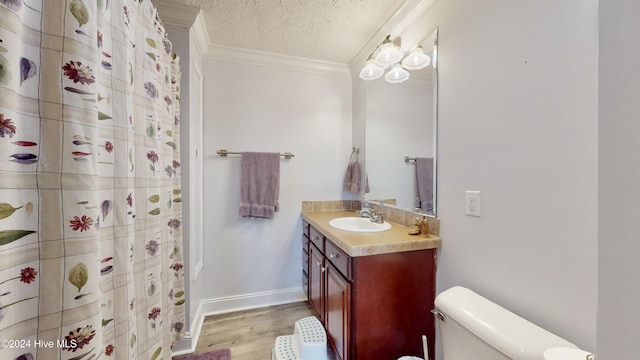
(352, 180)
(259, 184)
(424, 183)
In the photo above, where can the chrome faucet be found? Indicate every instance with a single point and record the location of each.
(366, 212)
(374, 216)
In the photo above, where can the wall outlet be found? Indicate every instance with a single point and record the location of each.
(473, 204)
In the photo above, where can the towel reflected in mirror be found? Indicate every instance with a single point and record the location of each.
(424, 183)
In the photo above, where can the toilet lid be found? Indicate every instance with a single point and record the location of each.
(563, 353)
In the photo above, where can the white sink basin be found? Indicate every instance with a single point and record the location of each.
(358, 224)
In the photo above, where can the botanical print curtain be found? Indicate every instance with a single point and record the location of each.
(90, 207)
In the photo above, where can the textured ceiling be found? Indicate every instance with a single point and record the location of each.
(329, 30)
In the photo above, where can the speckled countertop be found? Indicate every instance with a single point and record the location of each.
(393, 240)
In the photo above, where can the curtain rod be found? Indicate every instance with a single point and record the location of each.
(224, 153)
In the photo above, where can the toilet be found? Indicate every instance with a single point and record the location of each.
(472, 327)
(560, 353)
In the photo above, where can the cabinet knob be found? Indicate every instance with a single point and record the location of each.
(333, 256)
(323, 269)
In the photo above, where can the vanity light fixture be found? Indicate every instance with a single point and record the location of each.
(397, 74)
(371, 70)
(416, 59)
(389, 52)
(389, 55)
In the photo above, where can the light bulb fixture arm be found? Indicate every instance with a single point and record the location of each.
(388, 55)
(386, 40)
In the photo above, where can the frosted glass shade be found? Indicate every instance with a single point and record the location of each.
(371, 71)
(388, 54)
(416, 60)
(396, 75)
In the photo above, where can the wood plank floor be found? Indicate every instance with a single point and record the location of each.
(251, 334)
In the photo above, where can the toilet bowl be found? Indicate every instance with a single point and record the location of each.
(472, 327)
(562, 353)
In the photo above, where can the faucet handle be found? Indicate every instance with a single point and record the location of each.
(380, 217)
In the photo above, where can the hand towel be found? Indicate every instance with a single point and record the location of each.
(352, 178)
(259, 184)
(424, 183)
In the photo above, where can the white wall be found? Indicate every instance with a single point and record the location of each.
(518, 121)
(619, 176)
(179, 37)
(251, 107)
(185, 46)
(185, 29)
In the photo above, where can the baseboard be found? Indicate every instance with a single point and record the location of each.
(252, 301)
(187, 345)
(227, 304)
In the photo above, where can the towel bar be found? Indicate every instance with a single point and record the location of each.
(224, 153)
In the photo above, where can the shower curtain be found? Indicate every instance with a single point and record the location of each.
(91, 261)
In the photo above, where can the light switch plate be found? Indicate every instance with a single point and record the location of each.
(473, 203)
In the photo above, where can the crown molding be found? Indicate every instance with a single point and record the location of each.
(185, 17)
(176, 14)
(191, 17)
(396, 24)
(200, 34)
(255, 57)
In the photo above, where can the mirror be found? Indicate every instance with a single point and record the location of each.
(401, 137)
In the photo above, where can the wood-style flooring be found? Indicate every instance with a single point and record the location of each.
(251, 334)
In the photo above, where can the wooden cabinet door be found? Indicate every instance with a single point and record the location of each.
(316, 280)
(338, 312)
(392, 295)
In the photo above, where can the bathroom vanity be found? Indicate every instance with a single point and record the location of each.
(373, 292)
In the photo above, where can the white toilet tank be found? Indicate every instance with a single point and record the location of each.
(472, 327)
